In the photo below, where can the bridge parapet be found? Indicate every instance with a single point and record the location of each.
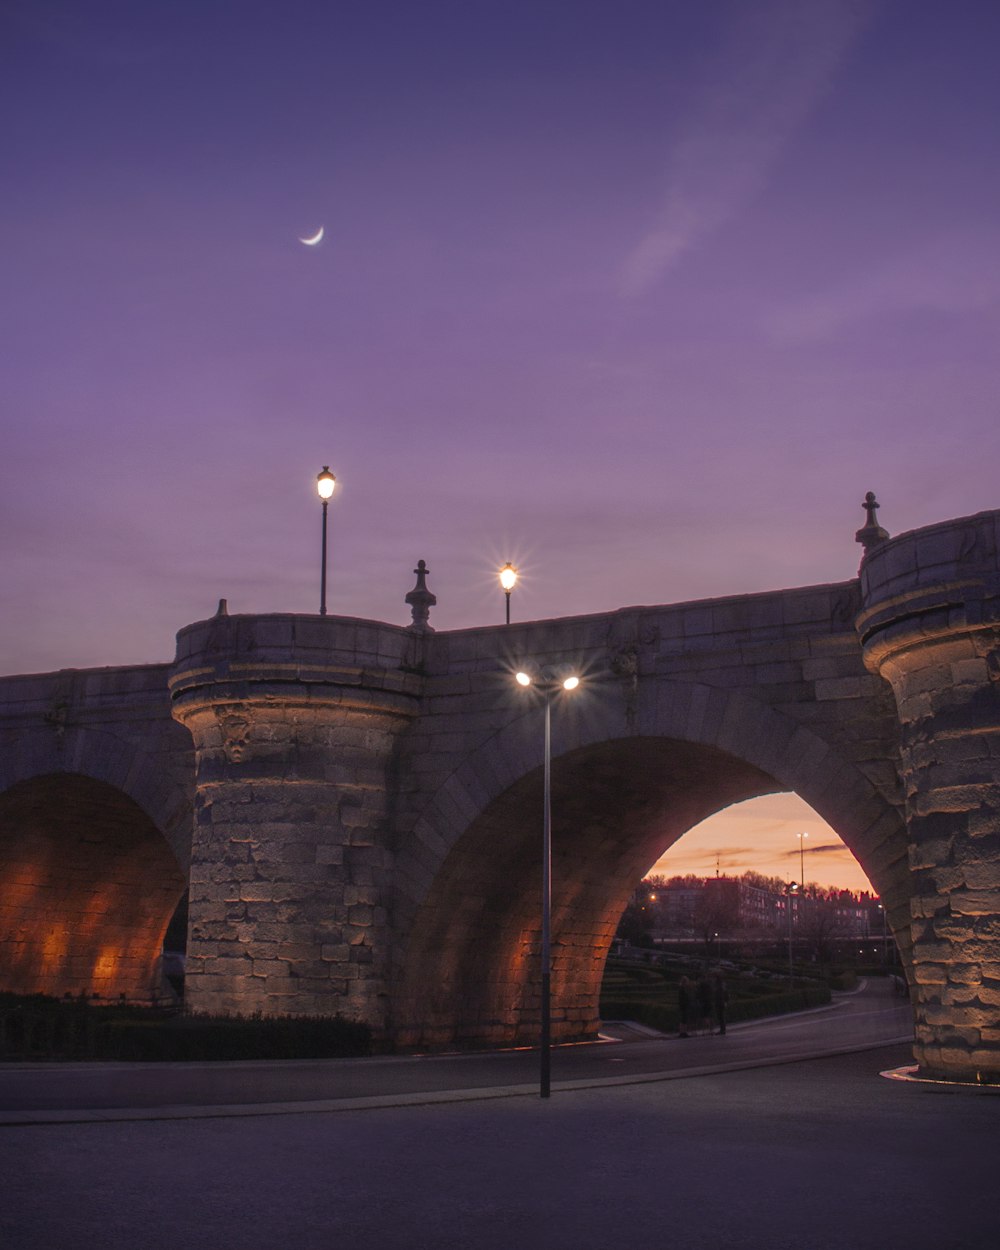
(930, 625)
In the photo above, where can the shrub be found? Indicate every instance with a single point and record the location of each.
(662, 1013)
(36, 1028)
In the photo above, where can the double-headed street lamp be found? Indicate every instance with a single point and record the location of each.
(508, 579)
(885, 937)
(550, 682)
(325, 484)
(791, 890)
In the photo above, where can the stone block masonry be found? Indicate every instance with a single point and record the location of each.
(356, 806)
(295, 734)
(931, 627)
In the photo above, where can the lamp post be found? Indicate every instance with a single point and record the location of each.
(325, 483)
(802, 859)
(790, 891)
(508, 579)
(549, 683)
(885, 937)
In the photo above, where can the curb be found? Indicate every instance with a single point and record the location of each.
(22, 1119)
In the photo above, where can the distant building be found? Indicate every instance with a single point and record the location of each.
(739, 908)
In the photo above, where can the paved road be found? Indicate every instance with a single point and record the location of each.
(46, 1093)
(815, 1155)
(717, 1142)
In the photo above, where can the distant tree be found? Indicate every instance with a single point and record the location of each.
(689, 881)
(819, 926)
(775, 885)
(633, 927)
(717, 911)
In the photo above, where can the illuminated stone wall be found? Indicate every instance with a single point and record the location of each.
(96, 790)
(683, 710)
(294, 722)
(931, 627)
(89, 886)
(357, 806)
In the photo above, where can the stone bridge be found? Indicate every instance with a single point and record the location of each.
(355, 807)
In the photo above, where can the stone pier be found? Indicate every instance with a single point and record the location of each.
(931, 627)
(295, 722)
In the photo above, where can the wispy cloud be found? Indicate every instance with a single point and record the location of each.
(775, 63)
(761, 834)
(825, 848)
(953, 272)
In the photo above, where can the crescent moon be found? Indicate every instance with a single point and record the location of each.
(316, 238)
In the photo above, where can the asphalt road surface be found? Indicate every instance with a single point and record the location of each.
(799, 1154)
(48, 1092)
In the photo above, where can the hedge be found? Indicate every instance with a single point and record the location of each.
(40, 1028)
(666, 1018)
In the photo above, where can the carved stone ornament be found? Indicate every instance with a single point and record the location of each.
(57, 717)
(235, 724)
(624, 663)
(421, 600)
(871, 534)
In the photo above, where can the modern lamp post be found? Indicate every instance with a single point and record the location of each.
(549, 682)
(508, 578)
(325, 483)
(802, 859)
(790, 891)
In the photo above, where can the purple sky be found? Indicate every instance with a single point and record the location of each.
(642, 295)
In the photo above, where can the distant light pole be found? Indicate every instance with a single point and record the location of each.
(325, 483)
(885, 937)
(790, 891)
(508, 579)
(549, 682)
(802, 859)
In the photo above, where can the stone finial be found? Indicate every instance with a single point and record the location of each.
(421, 600)
(871, 533)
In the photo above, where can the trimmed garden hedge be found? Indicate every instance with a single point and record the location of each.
(39, 1028)
(665, 1017)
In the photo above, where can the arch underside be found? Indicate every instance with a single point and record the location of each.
(87, 887)
(472, 971)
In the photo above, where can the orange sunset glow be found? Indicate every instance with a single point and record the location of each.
(762, 835)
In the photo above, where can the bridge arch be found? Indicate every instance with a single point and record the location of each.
(625, 787)
(88, 878)
(153, 779)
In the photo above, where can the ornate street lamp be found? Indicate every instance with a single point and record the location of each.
(550, 682)
(325, 484)
(508, 579)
